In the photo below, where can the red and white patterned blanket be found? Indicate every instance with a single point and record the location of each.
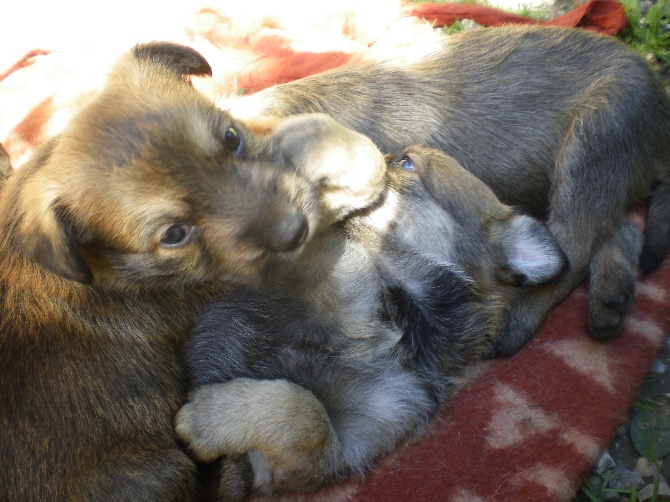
(526, 428)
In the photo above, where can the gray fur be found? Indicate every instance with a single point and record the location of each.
(571, 126)
(358, 343)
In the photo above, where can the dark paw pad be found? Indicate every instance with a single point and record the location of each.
(606, 318)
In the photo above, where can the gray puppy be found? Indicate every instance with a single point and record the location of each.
(356, 346)
(358, 343)
(568, 125)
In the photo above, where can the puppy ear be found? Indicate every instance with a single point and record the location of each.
(51, 242)
(531, 252)
(179, 58)
(5, 164)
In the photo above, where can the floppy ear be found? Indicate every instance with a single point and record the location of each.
(531, 252)
(5, 164)
(37, 225)
(51, 242)
(179, 58)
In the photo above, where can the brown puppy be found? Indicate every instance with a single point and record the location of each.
(568, 125)
(113, 238)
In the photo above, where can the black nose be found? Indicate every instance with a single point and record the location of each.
(280, 228)
(291, 233)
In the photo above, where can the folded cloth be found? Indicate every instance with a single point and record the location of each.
(529, 427)
(605, 16)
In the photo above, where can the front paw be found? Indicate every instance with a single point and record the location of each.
(282, 428)
(345, 165)
(513, 337)
(608, 309)
(525, 314)
(199, 425)
(612, 276)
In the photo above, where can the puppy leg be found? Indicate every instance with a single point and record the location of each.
(229, 479)
(295, 441)
(587, 207)
(528, 310)
(612, 274)
(283, 427)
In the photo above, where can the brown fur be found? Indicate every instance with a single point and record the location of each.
(5, 164)
(113, 238)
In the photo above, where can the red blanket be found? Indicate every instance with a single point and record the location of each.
(524, 428)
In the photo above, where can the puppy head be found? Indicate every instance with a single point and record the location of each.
(151, 182)
(453, 214)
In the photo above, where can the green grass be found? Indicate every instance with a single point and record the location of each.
(588, 493)
(647, 34)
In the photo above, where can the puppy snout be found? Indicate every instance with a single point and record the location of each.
(284, 229)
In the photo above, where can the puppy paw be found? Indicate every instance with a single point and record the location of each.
(612, 276)
(607, 313)
(345, 165)
(512, 338)
(525, 314)
(282, 428)
(197, 424)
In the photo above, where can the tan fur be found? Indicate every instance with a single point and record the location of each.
(150, 204)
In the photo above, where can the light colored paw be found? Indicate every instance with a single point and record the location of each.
(345, 165)
(282, 421)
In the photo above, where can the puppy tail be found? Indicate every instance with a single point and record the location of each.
(657, 230)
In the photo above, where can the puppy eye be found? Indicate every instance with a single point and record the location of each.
(177, 235)
(406, 163)
(233, 140)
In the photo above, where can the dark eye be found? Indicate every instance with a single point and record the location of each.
(406, 163)
(177, 235)
(233, 140)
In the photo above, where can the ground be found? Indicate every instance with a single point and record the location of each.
(652, 408)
